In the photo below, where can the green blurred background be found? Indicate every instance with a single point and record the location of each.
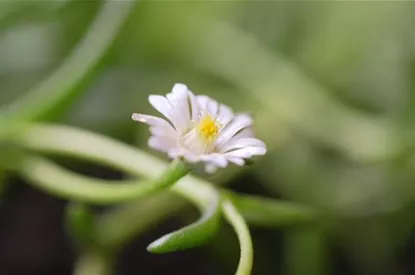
(331, 86)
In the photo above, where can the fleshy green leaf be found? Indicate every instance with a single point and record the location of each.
(61, 182)
(192, 235)
(235, 219)
(90, 146)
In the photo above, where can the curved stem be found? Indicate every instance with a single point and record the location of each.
(58, 181)
(80, 223)
(69, 185)
(120, 225)
(238, 223)
(78, 143)
(63, 83)
(192, 235)
(69, 141)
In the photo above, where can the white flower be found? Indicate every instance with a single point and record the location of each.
(199, 129)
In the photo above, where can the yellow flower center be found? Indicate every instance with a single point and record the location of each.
(208, 128)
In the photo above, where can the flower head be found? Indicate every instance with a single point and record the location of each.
(199, 129)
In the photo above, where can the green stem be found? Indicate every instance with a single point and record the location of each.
(64, 83)
(192, 235)
(69, 185)
(80, 224)
(65, 140)
(233, 216)
(69, 141)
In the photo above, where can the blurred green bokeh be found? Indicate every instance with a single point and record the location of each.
(330, 84)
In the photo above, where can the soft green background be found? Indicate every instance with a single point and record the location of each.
(330, 85)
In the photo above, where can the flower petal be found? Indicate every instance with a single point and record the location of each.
(161, 131)
(238, 123)
(245, 133)
(202, 100)
(178, 99)
(163, 105)
(194, 106)
(192, 158)
(208, 105)
(175, 152)
(150, 120)
(238, 143)
(217, 159)
(159, 125)
(178, 135)
(246, 152)
(225, 115)
(163, 144)
(235, 160)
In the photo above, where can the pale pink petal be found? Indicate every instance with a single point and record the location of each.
(202, 100)
(175, 153)
(246, 152)
(192, 158)
(150, 120)
(245, 133)
(179, 100)
(157, 123)
(213, 107)
(235, 160)
(208, 105)
(238, 123)
(163, 105)
(237, 143)
(194, 106)
(225, 115)
(217, 159)
(162, 131)
(163, 144)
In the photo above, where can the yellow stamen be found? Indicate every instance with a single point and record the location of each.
(208, 128)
